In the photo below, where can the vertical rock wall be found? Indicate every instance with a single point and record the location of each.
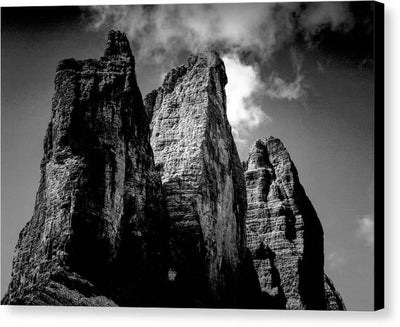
(202, 179)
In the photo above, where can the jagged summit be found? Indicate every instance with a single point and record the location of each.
(281, 218)
(197, 65)
(261, 150)
(117, 45)
(202, 60)
(117, 50)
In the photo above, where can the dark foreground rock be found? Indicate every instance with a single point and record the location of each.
(284, 234)
(99, 232)
(203, 182)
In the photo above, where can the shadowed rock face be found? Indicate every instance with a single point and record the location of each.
(202, 179)
(99, 232)
(284, 234)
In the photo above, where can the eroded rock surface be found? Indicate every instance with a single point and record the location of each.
(203, 182)
(284, 234)
(99, 232)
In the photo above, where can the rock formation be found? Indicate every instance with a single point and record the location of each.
(115, 225)
(99, 232)
(284, 234)
(203, 181)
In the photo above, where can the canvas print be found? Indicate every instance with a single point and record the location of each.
(193, 156)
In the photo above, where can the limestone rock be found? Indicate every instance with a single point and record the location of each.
(99, 231)
(284, 234)
(203, 181)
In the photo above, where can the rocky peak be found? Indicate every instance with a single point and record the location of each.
(257, 156)
(202, 180)
(281, 218)
(117, 45)
(209, 60)
(205, 69)
(99, 232)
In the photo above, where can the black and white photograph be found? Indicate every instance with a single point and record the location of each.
(198, 155)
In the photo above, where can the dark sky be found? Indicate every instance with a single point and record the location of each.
(301, 72)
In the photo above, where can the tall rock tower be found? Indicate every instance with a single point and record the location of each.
(99, 232)
(284, 234)
(203, 181)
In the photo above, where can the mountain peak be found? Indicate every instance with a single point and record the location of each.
(281, 217)
(117, 45)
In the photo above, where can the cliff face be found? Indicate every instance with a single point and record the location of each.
(99, 232)
(284, 233)
(202, 179)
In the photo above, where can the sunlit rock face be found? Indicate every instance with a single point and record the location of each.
(202, 179)
(99, 232)
(284, 234)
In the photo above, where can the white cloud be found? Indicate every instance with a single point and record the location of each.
(279, 88)
(320, 67)
(335, 260)
(334, 15)
(243, 84)
(365, 229)
(159, 32)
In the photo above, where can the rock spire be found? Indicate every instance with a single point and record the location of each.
(202, 180)
(99, 231)
(284, 234)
